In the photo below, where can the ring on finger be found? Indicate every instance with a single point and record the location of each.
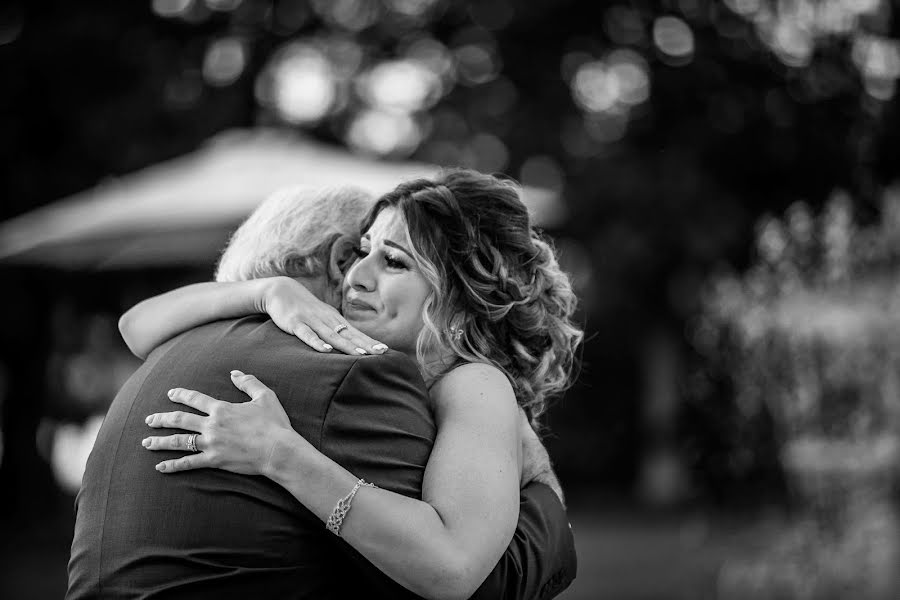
(340, 328)
(192, 442)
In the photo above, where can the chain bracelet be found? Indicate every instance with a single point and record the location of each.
(336, 518)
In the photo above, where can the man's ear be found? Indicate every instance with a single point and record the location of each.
(341, 257)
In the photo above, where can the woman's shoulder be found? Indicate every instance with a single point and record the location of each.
(473, 384)
(464, 371)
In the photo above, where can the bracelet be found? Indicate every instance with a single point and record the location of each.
(336, 518)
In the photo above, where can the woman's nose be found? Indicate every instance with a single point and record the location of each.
(359, 277)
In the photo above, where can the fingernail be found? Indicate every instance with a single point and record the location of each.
(361, 351)
(236, 373)
(171, 393)
(379, 347)
(328, 347)
(148, 419)
(161, 467)
(146, 443)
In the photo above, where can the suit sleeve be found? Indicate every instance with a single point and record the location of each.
(540, 561)
(379, 424)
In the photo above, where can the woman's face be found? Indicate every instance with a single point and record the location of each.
(384, 291)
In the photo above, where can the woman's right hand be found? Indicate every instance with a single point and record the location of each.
(295, 310)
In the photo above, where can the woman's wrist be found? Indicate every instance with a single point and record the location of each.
(284, 455)
(265, 290)
(310, 476)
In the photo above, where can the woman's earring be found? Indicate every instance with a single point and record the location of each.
(456, 333)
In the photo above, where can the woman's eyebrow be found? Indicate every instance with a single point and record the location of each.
(398, 247)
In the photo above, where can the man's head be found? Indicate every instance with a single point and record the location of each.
(298, 232)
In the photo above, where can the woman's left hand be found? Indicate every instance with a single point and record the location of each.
(235, 437)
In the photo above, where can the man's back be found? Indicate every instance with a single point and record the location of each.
(141, 534)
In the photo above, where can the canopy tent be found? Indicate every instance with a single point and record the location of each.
(179, 212)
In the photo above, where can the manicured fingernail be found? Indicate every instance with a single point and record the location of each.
(161, 467)
(148, 419)
(236, 373)
(327, 347)
(379, 347)
(361, 351)
(171, 393)
(146, 443)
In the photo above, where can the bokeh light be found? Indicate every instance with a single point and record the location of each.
(572, 61)
(344, 54)
(878, 60)
(417, 11)
(614, 84)
(172, 8)
(70, 447)
(436, 56)
(384, 133)
(791, 42)
(298, 83)
(224, 61)
(674, 39)
(477, 63)
(400, 85)
(352, 15)
(745, 8)
(632, 73)
(594, 87)
(223, 5)
(792, 30)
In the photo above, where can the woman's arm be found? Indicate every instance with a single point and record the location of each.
(155, 320)
(290, 305)
(442, 546)
(445, 545)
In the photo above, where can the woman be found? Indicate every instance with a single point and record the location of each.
(448, 271)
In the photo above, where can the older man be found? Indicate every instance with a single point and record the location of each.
(209, 532)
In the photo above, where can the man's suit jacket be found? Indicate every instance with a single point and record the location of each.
(143, 534)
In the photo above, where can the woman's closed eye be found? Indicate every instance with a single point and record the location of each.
(390, 261)
(393, 262)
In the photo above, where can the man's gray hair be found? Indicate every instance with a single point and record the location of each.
(291, 233)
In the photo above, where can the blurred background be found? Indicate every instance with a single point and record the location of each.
(720, 178)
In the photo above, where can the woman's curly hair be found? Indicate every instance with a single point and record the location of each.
(498, 293)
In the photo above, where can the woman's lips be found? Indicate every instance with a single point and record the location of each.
(358, 305)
